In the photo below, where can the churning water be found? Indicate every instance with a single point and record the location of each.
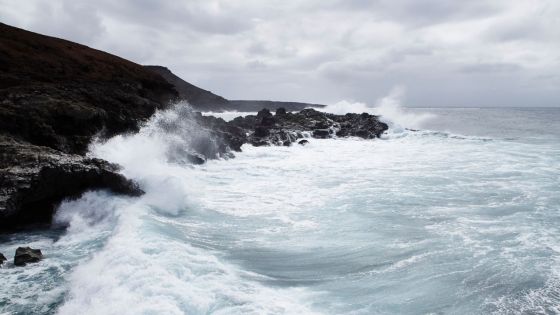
(461, 217)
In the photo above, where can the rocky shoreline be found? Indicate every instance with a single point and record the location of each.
(56, 97)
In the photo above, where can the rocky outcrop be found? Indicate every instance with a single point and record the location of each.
(33, 179)
(55, 97)
(283, 129)
(2, 259)
(25, 255)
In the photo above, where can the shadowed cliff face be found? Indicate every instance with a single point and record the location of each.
(55, 96)
(59, 94)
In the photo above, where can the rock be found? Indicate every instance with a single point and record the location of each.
(55, 97)
(2, 259)
(321, 133)
(196, 159)
(285, 128)
(303, 142)
(265, 118)
(281, 112)
(25, 255)
(261, 131)
(60, 94)
(33, 179)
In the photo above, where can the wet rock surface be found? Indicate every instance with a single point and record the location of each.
(55, 97)
(285, 128)
(26, 255)
(33, 179)
(2, 259)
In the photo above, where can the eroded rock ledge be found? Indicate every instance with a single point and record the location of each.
(33, 179)
(286, 128)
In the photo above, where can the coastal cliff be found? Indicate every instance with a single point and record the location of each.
(55, 97)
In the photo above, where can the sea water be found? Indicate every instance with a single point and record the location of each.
(458, 216)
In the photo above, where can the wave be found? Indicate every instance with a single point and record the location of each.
(389, 107)
(148, 265)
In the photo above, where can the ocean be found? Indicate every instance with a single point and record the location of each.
(452, 211)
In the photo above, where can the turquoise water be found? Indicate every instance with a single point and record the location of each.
(460, 217)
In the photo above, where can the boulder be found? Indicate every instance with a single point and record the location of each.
(2, 259)
(321, 133)
(303, 142)
(25, 255)
(265, 118)
(281, 112)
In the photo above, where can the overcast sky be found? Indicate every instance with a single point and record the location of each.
(445, 53)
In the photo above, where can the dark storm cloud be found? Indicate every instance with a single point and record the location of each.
(444, 52)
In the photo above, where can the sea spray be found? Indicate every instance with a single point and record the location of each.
(148, 265)
(431, 222)
(389, 107)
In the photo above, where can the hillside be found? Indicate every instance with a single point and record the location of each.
(204, 100)
(55, 97)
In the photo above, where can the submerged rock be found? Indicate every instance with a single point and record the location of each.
(2, 259)
(303, 142)
(25, 255)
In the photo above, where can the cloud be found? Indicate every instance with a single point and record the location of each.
(445, 52)
(491, 68)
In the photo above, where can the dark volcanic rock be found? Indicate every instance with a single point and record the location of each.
(25, 255)
(285, 128)
(55, 97)
(33, 179)
(60, 94)
(2, 259)
(321, 133)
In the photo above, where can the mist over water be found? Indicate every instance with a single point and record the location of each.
(390, 108)
(460, 217)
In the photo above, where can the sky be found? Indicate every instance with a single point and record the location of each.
(442, 53)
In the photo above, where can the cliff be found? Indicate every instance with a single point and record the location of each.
(55, 96)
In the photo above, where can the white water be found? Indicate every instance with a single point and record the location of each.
(418, 223)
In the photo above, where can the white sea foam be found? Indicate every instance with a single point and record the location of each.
(249, 235)
(390, 108)
(149, 268)
(228, 115)
(424, 223)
